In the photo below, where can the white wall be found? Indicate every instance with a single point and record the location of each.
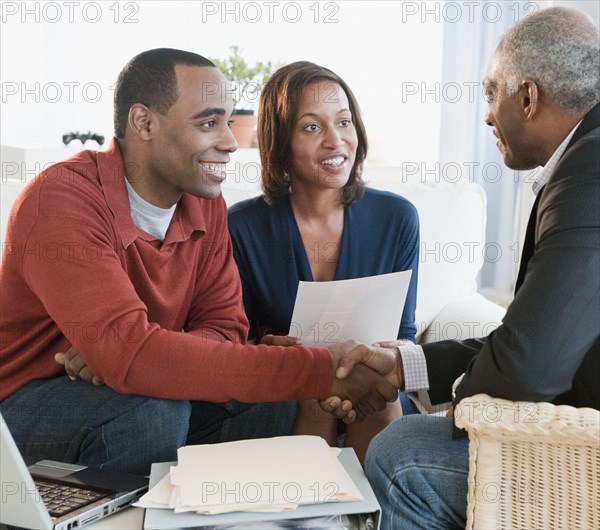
(59, 60)
(590, 7)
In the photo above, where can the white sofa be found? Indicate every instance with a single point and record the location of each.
(452, 218)
(452, 235)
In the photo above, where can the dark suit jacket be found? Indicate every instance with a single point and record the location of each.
(548, 346)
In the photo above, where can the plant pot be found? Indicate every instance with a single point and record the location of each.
(244, 125)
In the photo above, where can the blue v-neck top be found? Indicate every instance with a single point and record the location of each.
(380, 235)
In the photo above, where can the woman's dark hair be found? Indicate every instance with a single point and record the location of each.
(149, 78)
(279, 102)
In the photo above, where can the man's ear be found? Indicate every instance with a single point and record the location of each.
(141, 121)
(529, 98)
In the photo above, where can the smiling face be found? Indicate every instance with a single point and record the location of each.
(324, 140)
(506, 113)
(190, 145)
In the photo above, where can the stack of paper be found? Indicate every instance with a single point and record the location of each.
(268, 474)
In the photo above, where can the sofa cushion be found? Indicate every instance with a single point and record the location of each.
(452, 247)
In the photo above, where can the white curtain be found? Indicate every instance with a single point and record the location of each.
(467, 143)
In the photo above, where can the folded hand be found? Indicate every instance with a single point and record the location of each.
(76, 367)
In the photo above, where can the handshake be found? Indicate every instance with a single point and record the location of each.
(365, 378)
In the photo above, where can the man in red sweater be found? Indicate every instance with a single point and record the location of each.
(125, 255)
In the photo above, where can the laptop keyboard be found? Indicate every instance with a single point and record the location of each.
(61, 499)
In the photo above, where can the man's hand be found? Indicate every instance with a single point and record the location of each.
(76, 367)
(385, 361)
(364, 390)
(348, 354)
(340, 409)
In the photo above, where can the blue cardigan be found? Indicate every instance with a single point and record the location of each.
(380, 235)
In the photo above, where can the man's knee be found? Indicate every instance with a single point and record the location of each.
(386, 442)
(164, 418)
(400, 443)
(144, 431)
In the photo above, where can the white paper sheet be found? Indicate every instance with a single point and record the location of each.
(366, 309)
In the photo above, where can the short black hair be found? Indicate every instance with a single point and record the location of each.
(149, 78)
(279, 102)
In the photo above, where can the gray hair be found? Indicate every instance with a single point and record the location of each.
(559, 49)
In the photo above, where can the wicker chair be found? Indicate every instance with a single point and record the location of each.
(531, 465)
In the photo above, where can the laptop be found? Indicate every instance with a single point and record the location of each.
(55, 495)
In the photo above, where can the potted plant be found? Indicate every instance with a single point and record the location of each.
(247, 82)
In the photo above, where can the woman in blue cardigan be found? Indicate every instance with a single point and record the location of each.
(316, 221)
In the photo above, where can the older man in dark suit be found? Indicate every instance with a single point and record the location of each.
(543, 89)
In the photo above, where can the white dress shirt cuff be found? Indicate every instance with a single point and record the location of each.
(414, 367)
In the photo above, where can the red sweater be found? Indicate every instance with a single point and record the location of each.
(76, 270)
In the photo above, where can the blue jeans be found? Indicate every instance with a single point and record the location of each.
(419, 473)
(76, 422)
